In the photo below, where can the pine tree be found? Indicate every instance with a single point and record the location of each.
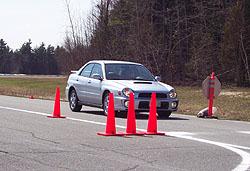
(5, 55)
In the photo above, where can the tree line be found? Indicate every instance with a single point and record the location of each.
(183, 41)
(42, 59)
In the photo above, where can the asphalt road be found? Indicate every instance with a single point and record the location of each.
(31, 141)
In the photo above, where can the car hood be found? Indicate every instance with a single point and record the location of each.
(137, 85)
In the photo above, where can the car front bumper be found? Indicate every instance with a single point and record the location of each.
(143, 104)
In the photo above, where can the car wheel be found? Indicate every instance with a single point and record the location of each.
(164, 114)
(105, 104)
(73, 102)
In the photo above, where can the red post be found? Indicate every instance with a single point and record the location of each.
(211, 95)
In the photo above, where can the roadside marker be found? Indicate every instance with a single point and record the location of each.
(211, 96)
(211, 88)
(31, 97)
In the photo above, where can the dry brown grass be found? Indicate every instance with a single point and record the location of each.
(233, 103)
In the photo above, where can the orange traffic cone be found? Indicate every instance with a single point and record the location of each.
(152, 119)
(57, 110)
(131, 120)
(110, 124)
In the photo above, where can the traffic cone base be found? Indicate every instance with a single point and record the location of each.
(155, 133)
(56, 116)
(136, 133)
(111, 134)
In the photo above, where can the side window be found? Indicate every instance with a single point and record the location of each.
(97, 70)
(87, 70)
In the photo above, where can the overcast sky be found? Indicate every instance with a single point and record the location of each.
(39, 20)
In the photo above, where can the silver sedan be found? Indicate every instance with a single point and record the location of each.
(92, 83)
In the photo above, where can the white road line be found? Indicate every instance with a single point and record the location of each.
(26, 111)
(238, 146)
(245, 163)
(244, 132)
(243, 166)
(87, 121)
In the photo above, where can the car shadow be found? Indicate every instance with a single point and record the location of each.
(101, 113)
(123, 115)
(173, 118)
(92, 112)
(145, 117)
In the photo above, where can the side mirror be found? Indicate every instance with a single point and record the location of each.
(157, 78)
(97, 76)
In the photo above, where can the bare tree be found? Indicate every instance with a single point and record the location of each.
(67, 2)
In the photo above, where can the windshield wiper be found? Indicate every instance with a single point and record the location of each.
(141, 79)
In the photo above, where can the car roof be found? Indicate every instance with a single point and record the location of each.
(113, 62)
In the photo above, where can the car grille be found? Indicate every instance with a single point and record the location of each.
(148, 95)
(145, 105)
(164, 105)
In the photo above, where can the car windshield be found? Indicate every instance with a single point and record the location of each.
(127, 72)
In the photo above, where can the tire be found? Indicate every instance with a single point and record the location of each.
(105, 103)
(164, 114)
(73, 102)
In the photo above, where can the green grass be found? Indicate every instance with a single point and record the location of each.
(39, 87)
(233, 103)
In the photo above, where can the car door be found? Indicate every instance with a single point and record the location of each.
(82, 82)
(94, 86)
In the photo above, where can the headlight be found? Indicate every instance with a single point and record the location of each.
(127, 91)
(172, 94)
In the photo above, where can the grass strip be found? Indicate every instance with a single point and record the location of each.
(233, 102)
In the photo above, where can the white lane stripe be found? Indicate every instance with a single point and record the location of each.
(87, 121)
(238, 146)
(244, 132)
(243, 166)
(26, 111)
(245, 163)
